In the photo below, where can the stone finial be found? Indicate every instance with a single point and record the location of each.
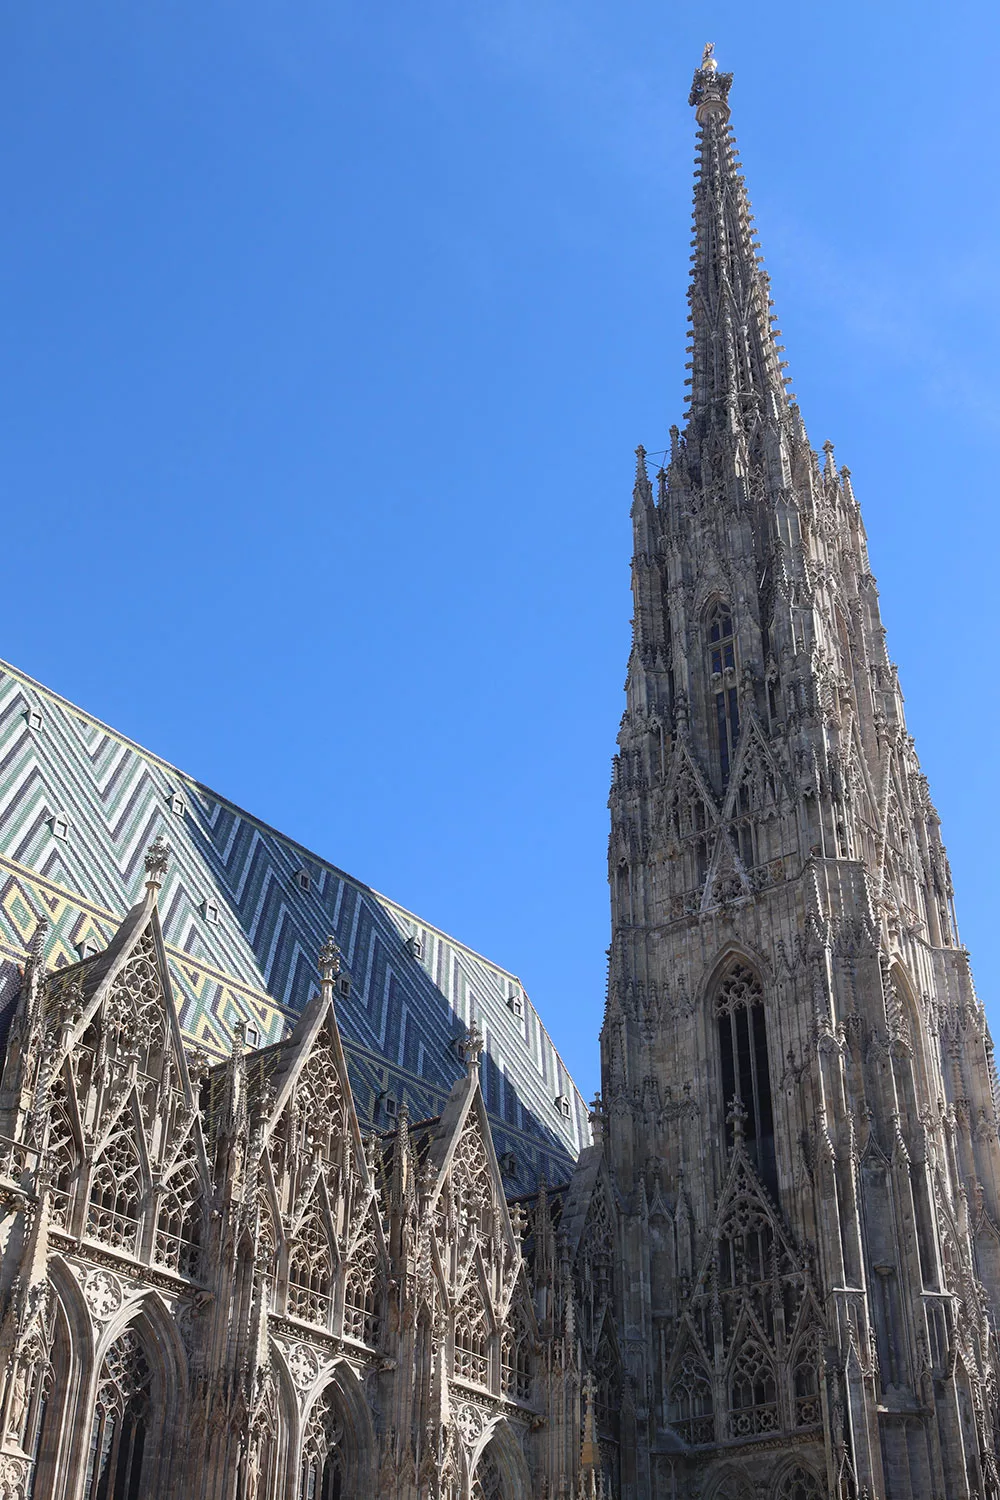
(329, 960)
(641, 472)
(37, 947)
(473, 1047)
(710, 88)
(737, 1117)
(198, 1065)
(157, 856)
(596, 1116)
(590, 1452)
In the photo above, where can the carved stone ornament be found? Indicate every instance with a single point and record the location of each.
(13, 1476)
(103, 1294)
(470, 1423)
(303, 1365)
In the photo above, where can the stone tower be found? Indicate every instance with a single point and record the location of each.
(800, 1103)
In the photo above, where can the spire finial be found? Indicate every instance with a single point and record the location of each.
(590, 1452)
(710, 89)
(329, 965)
(473, 1047)
(737, 1117)
(157, 856)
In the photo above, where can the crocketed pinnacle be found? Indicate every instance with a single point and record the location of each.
(736, 373)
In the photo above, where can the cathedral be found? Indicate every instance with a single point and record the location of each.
(299, 1201)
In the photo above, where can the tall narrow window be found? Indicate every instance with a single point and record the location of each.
(118, 1432)
(487, 1484)
(113, 1215)
(310, 1272)
(322, 1470)
(177, 1241)
(739, 1011)
(362, 1293)
(722, 665)
(471, 1338)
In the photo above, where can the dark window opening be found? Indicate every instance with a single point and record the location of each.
(739, 1010)
(722, 659)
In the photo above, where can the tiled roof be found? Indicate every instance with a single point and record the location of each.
(79, 805)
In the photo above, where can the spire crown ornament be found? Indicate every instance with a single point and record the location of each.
(157, 858)
(473, 1047)
(710, 88)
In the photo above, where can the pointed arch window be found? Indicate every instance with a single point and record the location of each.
(471, 1338)
(115, 1195)
(121, 1419)
(31, 1382)
(691, 1405)
(607, 1388)
(487, 1484)
(177, 1243)
(361, 1293)
(64, 1159)
(515, 1359)
(322, 1466)
(805, 1378)
(310, 1272)
(799, 1484)
(722, 667)
(753, 1393)
(746, 1077)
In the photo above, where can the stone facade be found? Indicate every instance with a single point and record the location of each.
(798, 1083)
(775, 1273)
(216, 1285)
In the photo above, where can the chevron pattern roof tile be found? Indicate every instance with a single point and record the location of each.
(257, 960)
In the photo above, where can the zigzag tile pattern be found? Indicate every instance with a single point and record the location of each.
(245, 911)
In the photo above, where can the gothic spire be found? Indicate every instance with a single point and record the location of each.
(735, 367)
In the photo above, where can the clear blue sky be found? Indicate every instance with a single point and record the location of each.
(328, 331)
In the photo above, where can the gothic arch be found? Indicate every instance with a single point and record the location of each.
(714, 597)
(796, 1481)
(143, 1338)
(343, 1397)
(731, 1482)
(906, 1030)
(737, 1020)
(118, 1185)
(60, 1449)
(154, 1321)
(311, 1261)
(501, 1450)
(730, 954)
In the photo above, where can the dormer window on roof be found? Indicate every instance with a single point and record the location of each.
(177, 805)
(515, 1003)
(303, 880)
(563, 1105)
(34, 718)
(344, 985)
(210, 910)
(60, 826)
(414, 946)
